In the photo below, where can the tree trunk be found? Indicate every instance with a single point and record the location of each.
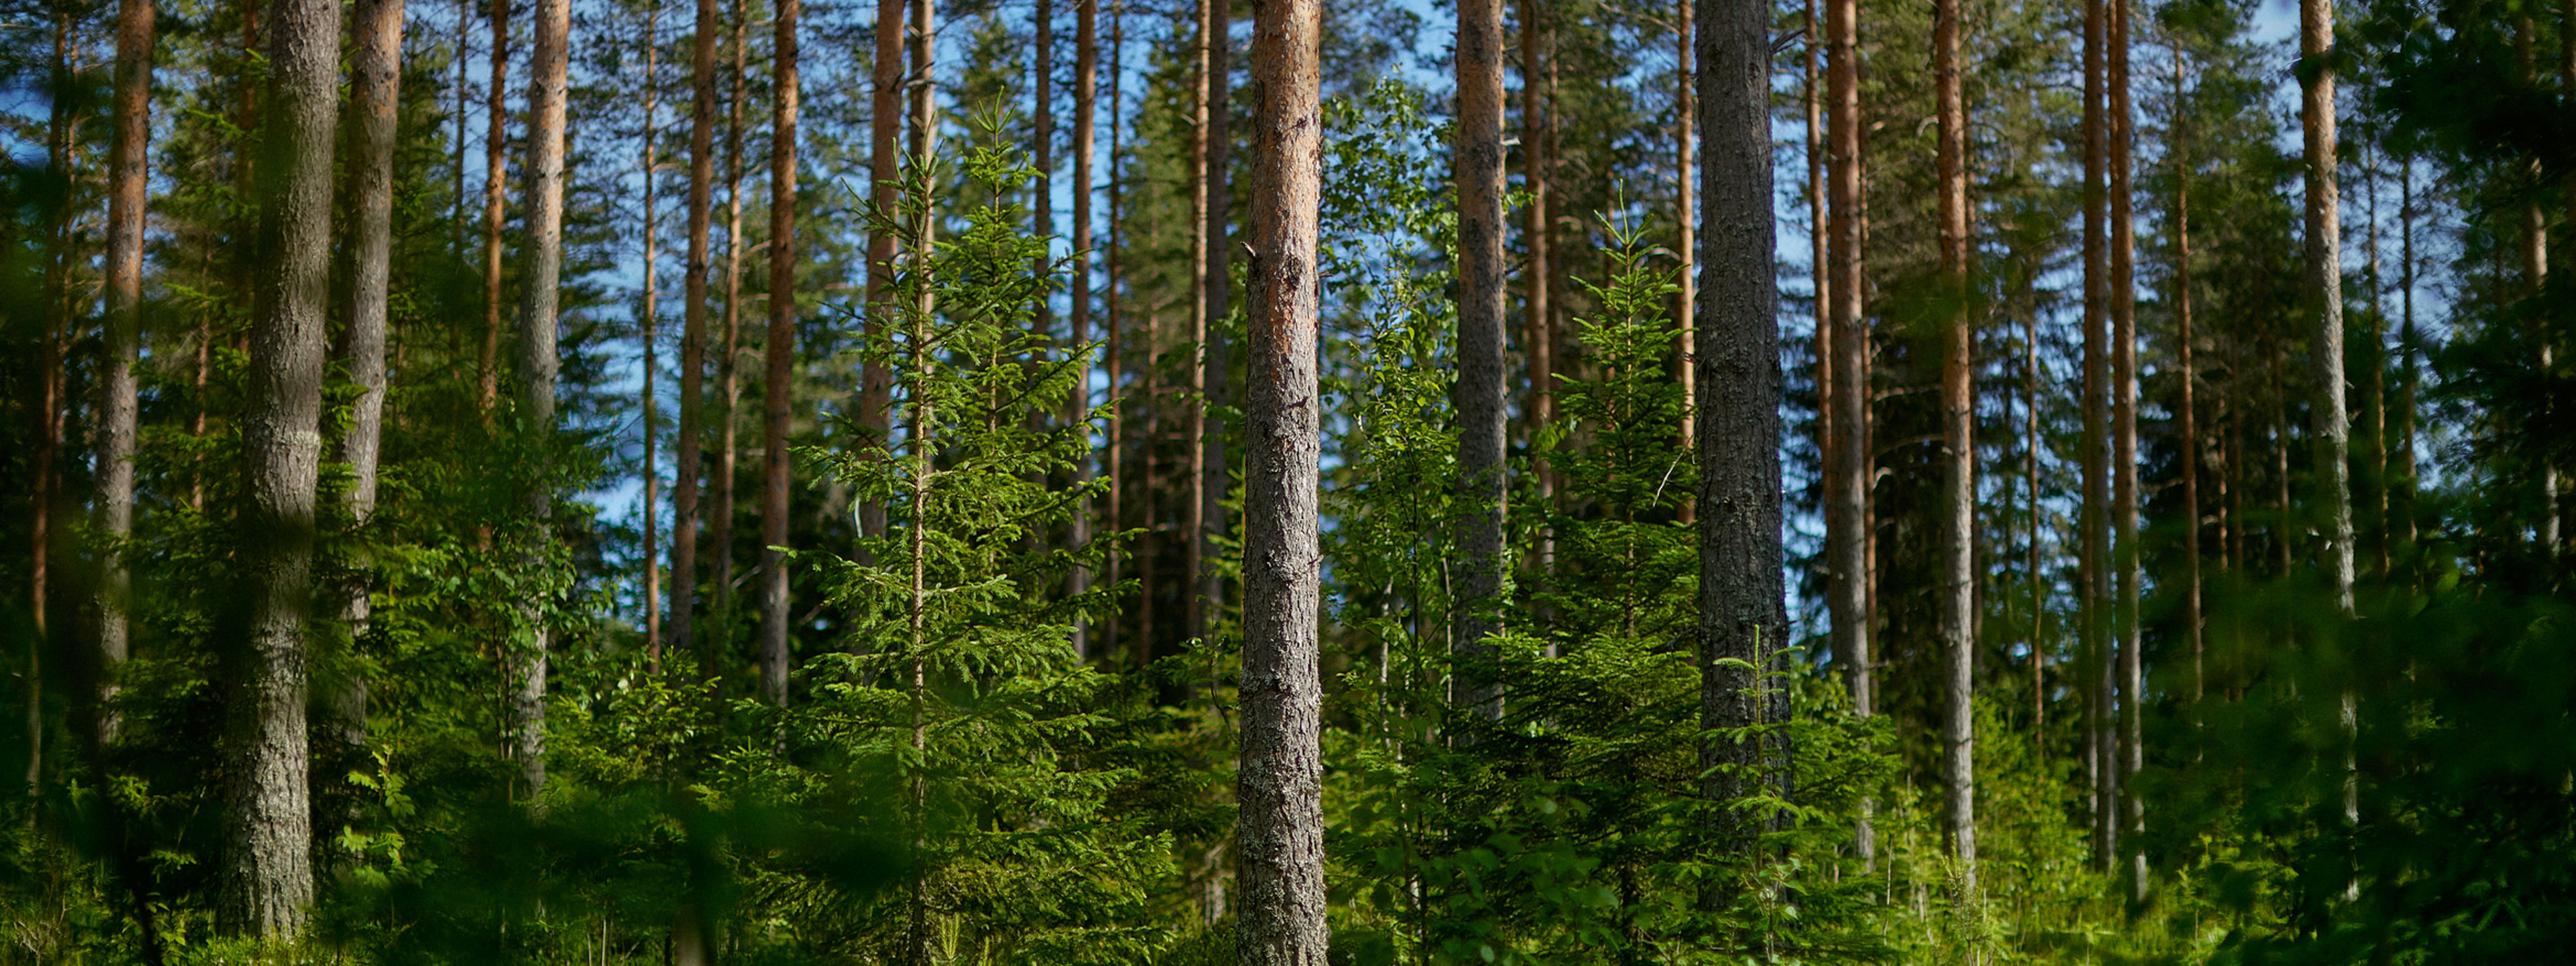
(2124, 403)
(1086, 66)
(128, 165)
(719, 647)
(265, 882)
(549, 68)
(885, 173)
(1481, 389)
(2190, 444)
(2100, 745)
(1959, 462)
(687, 464)
(651, 317)
(496, 147)
(1741, 596)
(1686, 223)
(2332, 428)
(1847, 469)
(779, 350)
(1117, 432)
(1208, 465)
(2406, 343)
(375, 90)
(1538, 343)
(1279, 836)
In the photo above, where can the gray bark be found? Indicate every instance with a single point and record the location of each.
(548, 67)
(1742, 615)
(1481, 389)
(1279, 836)
(2124, 406)
(2331, 426)
(266, 880)
(377, 68)
(780, 352)
(1959, 456)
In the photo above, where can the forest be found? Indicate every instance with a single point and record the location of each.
(1288, 483)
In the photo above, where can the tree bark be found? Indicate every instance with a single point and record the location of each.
(1686, 222)
(651, 317)
(1959, 463)
(1538, 344)
(1847, 468)
(779, 350)
(1086, 93)
(1481, 388)
(375, 89)
(2100, 745)
(265, 882)
(1112, 459)
(885, 173)
(129, 149)
(496, 147)
(1741, 595)
(689, 456)
(1279, 836)
(2331, 426)
(2183, 348)
(2124, 403)
(549, 68)
(720, 646)
(1208, 463)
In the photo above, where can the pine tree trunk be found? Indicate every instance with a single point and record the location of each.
(1086, 66)
(549, 69)
(496, 147)
(1959, 464)
(1279, 835)
(1537, 341)
(128, 180)
(885, 172)
(719, 648)
(1741, 595)
(689, 458)
(376, 66)
(2190, 415)
(1847, 469)
(1686, 223)
(2100, 744)
(651, 317)
(779, 350)
(265, 882)
(2124, 403)
(1112, 458)
(1207, 447)
(2331, 426)
(1481, 388)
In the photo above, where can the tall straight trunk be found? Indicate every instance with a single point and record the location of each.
(2030, 485)
(2099, 748)
(1819, 273)
(459, 91)
(720, 647)
(1279, 837)
(1481, 387)
(1086, 95)
(1117, 430)
(689, 458)
(922, 941)
(2330, 426)
(1042, 206)
(1538, 339)
(128, 161)
(496, 191)
(779, 351)
(265, 881)
(549, 75)
(1686, 221)
(2406, 341)
(1847, 466)
(1207, 519)
(651, 332)
(885, 173)
(2124, 405)
(1743, 619)
(375, 88)
(2190, 443)
(48, 442)
(1958, 463)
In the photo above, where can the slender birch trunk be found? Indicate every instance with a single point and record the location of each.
(264, 884)
(1686, 221)
(496, 191)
